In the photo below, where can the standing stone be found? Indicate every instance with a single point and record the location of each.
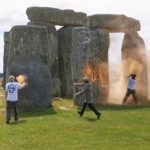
(113, 23)
(135, 60)
(53, 54)
(56, 16)
(28, 54)
(82, 49)
(6, 51)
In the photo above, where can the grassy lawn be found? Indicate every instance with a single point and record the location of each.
(120, 128)
(2, 103)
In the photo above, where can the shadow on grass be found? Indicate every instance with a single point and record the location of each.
(39, 112)
(91, 119)
(122, 107)
(18, 122)
(117, 107)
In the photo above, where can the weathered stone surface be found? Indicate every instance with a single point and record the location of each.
(52, 40)
(56, 16)
(53, 54)
(80, 47)
(135, 60)
(38, 92)
(38, 23)
(5, 57)
(28, 54)
(113, 23)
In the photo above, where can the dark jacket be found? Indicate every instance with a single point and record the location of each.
(88, 92)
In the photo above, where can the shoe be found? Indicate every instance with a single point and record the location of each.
(7, 122)
(98, 116)
(16, 119)
(79, 113)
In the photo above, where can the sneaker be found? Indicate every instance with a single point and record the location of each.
(79, 113)
(16, 119)
(7, 122)
(98, 116)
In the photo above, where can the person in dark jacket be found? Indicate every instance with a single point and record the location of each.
(131, 88)
(88, 92)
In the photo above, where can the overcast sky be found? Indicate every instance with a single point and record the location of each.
(13, 12)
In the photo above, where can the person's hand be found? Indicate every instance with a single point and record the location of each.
(24, 84)
(75, 95)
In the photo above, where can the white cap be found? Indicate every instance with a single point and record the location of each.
(11, 77)
(86, 79)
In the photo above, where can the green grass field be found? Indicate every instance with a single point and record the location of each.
(120, 128)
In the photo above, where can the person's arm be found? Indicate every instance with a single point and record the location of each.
(129, 76)
(23, 85)
(81, 92)
(20, 86)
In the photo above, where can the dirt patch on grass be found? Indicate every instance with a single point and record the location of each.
(68, 107)
(64, 104)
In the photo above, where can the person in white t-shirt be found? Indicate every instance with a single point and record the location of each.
(11, 91)
(131, 88)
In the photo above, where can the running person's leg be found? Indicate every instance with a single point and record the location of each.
(91, 106)
(15, 110)
(83, 108)
(126, 96)
(134, 97)
(8, 111)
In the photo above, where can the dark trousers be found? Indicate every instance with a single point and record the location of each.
(11, 105)
(130, 92)
(91, 106)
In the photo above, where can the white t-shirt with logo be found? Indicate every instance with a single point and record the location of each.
(12, 91)
(131, 84)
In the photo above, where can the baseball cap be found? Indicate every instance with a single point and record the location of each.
(86, 79)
